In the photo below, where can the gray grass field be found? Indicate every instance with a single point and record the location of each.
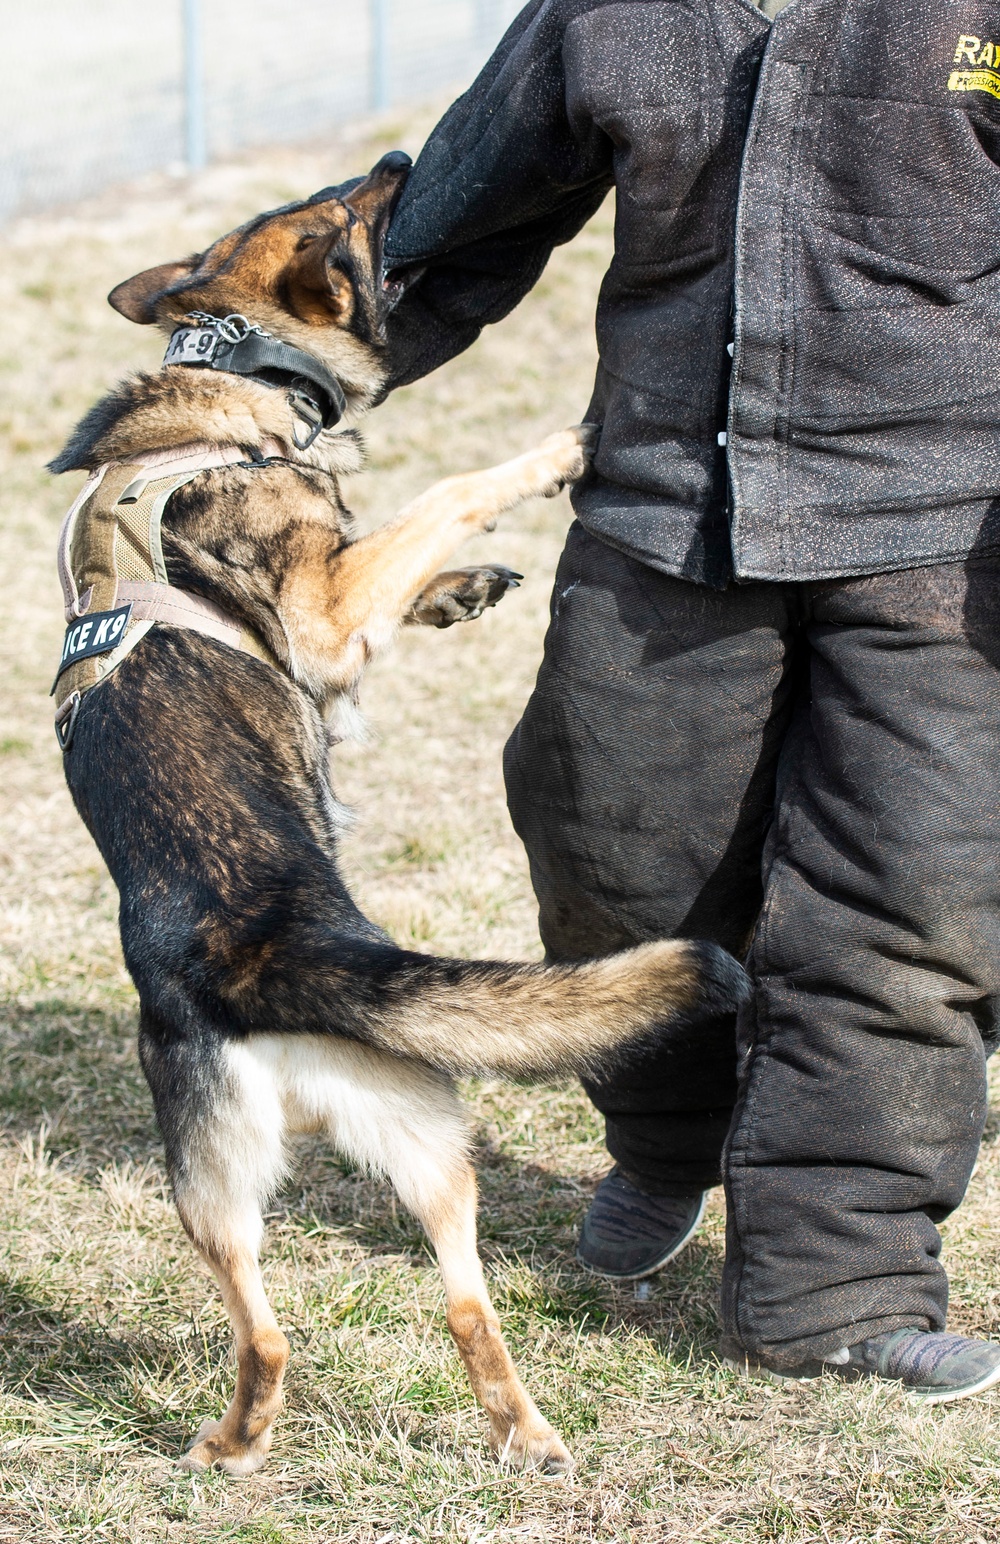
(113, 1345)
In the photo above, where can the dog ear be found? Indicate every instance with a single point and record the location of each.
(317, 289)
(137, 297)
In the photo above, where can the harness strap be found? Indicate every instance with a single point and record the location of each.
(196, 456)
(121, 540)
(152, 602)
(75, 604)
(180, 608)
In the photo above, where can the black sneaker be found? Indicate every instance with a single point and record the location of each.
(932, 1366)
(627, 1234)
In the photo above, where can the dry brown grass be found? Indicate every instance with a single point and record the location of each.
(112, 1343)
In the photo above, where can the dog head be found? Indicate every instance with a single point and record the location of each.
(310, 273)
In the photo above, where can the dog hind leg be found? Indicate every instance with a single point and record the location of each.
(407, 1122)
(520, 1434)
(226, 1157)
(239, 1443)
(395, 1117)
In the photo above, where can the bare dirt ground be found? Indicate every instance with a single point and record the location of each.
(113, 1345)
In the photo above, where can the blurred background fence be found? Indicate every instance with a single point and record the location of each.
(94, 92)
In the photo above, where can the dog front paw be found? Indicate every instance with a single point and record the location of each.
(461, 595)
(564, 457)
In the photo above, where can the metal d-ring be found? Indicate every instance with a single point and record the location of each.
(66, 717)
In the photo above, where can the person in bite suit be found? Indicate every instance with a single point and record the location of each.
(768, 711)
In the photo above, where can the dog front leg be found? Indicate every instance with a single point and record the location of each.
(383, 572)
(339, 615)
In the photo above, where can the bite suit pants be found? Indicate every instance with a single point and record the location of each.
(808, 773)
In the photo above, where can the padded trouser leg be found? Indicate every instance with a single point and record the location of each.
(877, 970)
(641, 779)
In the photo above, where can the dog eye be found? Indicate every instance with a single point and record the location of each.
(305, 241)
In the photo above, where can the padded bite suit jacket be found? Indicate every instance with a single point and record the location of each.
(822, 193)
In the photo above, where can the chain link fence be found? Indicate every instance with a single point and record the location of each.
(94, 92)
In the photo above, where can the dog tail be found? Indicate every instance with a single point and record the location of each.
(536, 1021)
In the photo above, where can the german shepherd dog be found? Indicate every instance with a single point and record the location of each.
(269, 1004)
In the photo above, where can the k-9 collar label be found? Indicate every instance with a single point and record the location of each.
(95, 634)
(192, 346)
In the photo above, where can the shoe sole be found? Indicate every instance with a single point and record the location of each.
(660, 1262)
(928, 1396)
(924, 1396)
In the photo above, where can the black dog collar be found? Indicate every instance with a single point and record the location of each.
(233, 344)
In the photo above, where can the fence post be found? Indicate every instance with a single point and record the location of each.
(379, 21)
(195, 150)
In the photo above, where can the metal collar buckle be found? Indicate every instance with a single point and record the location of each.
(200, 342)
(231, 329)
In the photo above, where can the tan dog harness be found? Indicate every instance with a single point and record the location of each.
(114, 578)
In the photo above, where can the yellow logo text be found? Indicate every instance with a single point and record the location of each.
(974, 51)
(971, 50)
